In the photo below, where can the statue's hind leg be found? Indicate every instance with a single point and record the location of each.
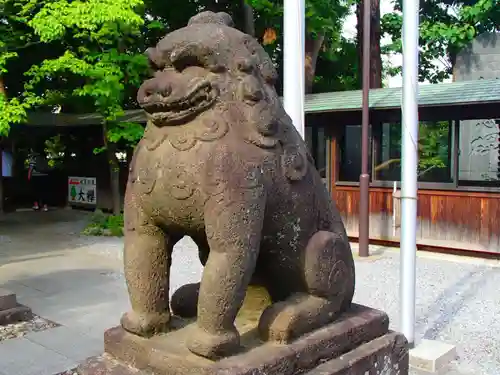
(184, 302)
(329, 276)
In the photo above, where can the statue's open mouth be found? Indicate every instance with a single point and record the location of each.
(171, 110)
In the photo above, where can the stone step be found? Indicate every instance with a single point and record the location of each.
(16, 314)
(7, 299)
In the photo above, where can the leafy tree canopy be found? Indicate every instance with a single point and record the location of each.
(97, 58)
(87, 55)
(445, 28)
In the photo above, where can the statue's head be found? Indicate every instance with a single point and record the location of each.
(206, 65)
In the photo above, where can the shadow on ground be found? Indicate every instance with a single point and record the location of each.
(34, 235)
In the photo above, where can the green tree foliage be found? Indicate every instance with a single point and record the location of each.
(86, 56)
(322, 16)
(324, 19)
(55, 149)
(15, 36)
(445, 28)
(103, 54)
(99, 62)
(324, 42)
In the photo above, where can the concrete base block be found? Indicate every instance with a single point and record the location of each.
(358, 341)
(430, 355)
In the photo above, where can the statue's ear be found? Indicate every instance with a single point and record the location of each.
(225, 19)
(262, 60)
(154, 59)
(220, 18)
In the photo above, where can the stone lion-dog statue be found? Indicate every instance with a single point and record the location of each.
(221, 162)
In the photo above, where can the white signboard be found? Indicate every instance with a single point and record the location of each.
(82, 190)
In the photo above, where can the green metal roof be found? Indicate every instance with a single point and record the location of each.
(443, 94)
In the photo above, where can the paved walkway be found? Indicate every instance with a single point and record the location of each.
(78, 282)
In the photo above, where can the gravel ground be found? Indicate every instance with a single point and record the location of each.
(457, 303)
(20, 329)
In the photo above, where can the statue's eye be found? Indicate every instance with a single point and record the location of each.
(192, 54)
(185, 61)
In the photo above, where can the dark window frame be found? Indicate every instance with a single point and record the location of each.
(455, 185)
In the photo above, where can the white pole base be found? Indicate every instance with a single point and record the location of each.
(430, 356)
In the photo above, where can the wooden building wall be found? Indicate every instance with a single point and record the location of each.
(454, 219)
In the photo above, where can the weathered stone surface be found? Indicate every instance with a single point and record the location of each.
(15, 314)
(106, 365)
(7, 299)
(386, 355)
(480, 59)
(166, 354)
(221, 162)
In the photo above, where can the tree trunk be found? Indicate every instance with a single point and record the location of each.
(114, 172)
(313, 46)
(375, 54)
(248, 17)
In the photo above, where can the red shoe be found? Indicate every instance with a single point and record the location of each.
(36, 207)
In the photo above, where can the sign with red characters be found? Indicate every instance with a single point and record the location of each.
(82, 190)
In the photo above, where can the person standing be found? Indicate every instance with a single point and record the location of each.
(37, 180)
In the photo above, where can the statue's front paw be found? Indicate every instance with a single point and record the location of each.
(145, 324)
(214, 346)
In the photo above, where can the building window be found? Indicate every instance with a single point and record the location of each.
(320, 153)
(435, 152)
(478, 155)
(350, 154)
(316, 142)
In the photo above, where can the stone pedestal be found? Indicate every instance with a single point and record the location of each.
(10, 310)
(359, 342)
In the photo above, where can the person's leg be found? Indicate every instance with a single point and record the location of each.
(34, 193)
(42, 189)
(40, 192)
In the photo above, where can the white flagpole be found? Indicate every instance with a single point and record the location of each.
(293, 62)
(409, 165)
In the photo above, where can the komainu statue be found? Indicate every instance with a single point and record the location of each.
(221, 162)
